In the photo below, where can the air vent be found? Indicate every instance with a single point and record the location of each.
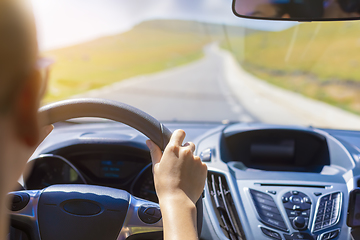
(224, 206)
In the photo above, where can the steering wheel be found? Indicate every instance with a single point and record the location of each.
(76, 212)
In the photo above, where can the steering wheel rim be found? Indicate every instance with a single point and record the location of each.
(120, 112)
(102, 108)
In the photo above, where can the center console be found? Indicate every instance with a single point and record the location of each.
(297, 205)
(285, 183)
(299, 208)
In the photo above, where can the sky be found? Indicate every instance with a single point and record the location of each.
(63, 23)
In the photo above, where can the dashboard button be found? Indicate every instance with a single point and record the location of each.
(321, 211)
(326, 223)
(296, 199)
(335, 213)
(333, 220)
(272, 192)
(285, 199)
(317, 194)
(328, 209)
(334, 234)
(319, 219)
(336, 204)
(18, 200)
(325, 236)
(330, 235)
(336, 209)
(299, 222)
(205, 155)
(296, 207)
(270, 215)
(150, 211)
(321, 204)
(274, 223)
(267, 208)
(256, 194)
(325, 198)
(298, 236)
(294, 192)
(318, 226)
(265, 201)
(292, 213)
(335, 195)
(270, 233)
(149, 214)
(305, 213)
(327, 216)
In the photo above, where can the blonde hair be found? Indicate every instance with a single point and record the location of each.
(18, 48)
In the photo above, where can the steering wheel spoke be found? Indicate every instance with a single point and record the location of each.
(143, 217)
(83, 212)
(23, 212)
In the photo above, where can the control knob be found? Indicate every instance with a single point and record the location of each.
(299, 222)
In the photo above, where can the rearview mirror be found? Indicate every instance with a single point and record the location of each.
(298, 10)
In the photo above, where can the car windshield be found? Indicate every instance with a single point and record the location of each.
(194, 61)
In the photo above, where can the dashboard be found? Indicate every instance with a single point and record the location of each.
(118, 165)
(264, 181)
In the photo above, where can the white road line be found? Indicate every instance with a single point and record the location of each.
(274, 105)
(250, 98)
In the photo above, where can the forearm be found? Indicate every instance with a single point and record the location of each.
(179, 218)
(179, 179)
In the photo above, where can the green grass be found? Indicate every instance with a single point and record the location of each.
(328, 50)
(340, 95)
(149, 47)
(322, 62)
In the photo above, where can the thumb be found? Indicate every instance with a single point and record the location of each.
(155, 152)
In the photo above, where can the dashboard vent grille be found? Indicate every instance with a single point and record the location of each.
(224, 206)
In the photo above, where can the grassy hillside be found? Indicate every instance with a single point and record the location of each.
(149, 47)
(319, 60)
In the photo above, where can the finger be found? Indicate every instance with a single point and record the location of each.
(155, 152)
(177, 137)
(190, 145)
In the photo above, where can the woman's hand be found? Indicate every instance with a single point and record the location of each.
(179, 178)
(177, 172)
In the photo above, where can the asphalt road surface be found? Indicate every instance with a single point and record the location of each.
(193, 92)
(216, 88)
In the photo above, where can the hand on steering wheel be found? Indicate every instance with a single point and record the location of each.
(179, 178)
(93, 212)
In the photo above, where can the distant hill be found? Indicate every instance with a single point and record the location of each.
(195, 27)
(149, 47)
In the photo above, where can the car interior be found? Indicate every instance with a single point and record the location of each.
(271, 174)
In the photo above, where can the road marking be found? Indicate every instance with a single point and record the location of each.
(234, 104)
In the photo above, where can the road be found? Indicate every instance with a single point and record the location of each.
(194, 92)
(216, 88)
